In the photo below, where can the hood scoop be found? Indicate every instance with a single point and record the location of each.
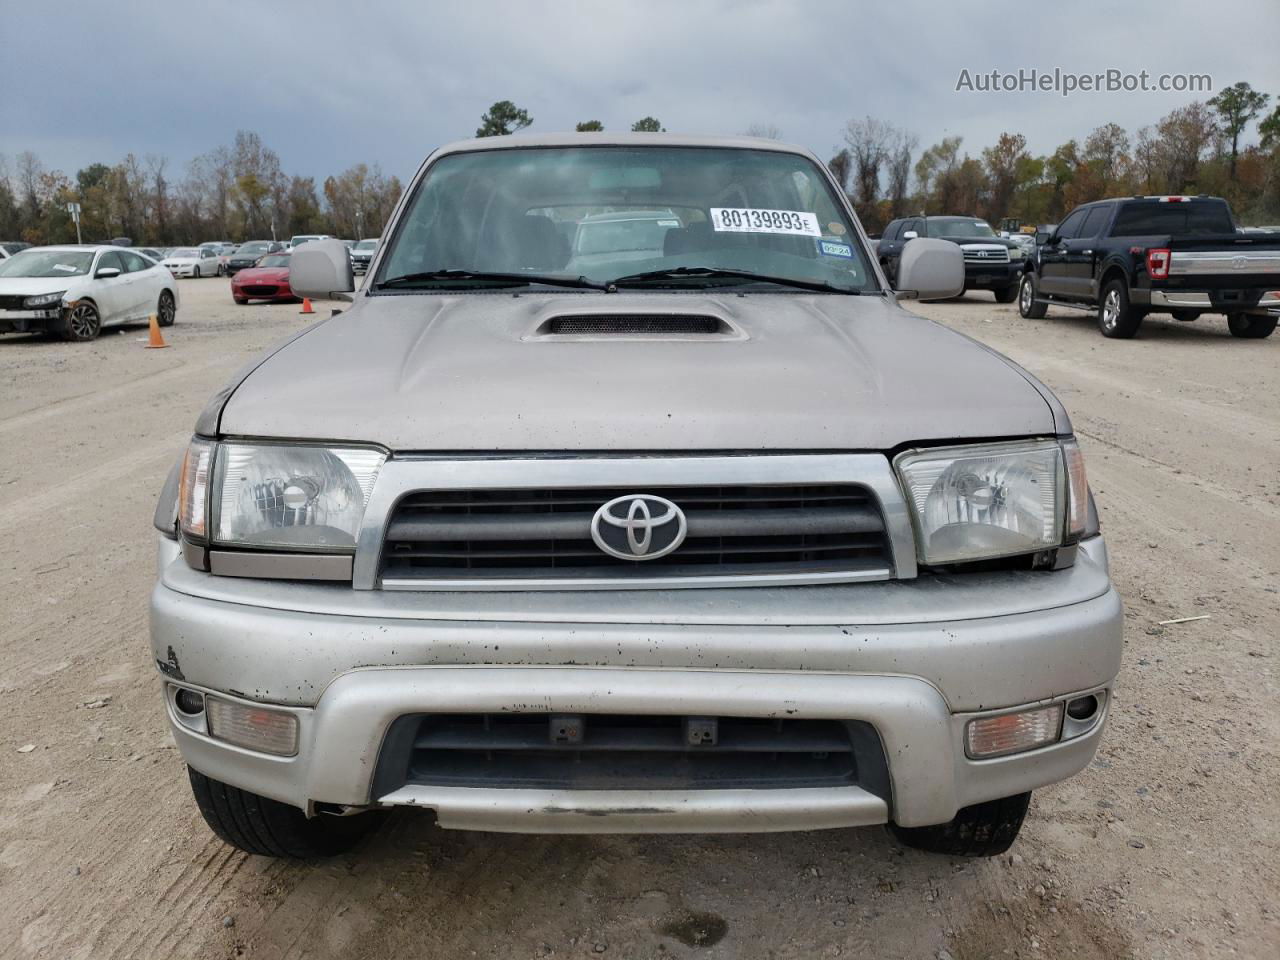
(636, 326)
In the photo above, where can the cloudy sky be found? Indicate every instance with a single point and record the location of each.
(331, 84)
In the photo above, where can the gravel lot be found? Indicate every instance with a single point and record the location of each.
(1168, 846)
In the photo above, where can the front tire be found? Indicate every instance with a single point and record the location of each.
(982, 830)
(1006, 294)
(270, 828)
(241, 300)
(1116, 317)
(1249, 327)
(166, 309)
(1029, 308)
(81, 321)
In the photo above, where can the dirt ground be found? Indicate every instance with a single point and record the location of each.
(1167, 847)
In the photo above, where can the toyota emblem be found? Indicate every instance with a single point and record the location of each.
(638, 526)
(1239, 263)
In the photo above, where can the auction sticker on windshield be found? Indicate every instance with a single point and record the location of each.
(751, 220)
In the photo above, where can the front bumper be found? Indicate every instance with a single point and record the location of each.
(989, 275)
(27, 321)
(915, 661)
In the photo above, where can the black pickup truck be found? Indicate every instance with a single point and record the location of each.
(990, 262)
(1128, 257)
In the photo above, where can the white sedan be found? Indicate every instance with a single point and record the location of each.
(76, 291)
(192, 262)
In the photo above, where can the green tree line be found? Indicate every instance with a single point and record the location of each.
(233, 193)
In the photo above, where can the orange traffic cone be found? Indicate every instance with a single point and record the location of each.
(156, 341)
(306, 305)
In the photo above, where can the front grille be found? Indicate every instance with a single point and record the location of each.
(618, 752)
(260, 289)
(986, 255)
(13, 302)
(460, 535)
(632, 325)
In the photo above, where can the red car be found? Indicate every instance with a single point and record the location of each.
(268, 279)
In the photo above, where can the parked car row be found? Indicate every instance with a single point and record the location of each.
(1120, 258)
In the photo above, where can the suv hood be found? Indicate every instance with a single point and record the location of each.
(473, 372)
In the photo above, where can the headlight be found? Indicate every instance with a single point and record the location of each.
(44, 299)
(278, 496)
(994, 500)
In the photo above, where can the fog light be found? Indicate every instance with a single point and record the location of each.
(252, 727)
(1013, 732)
(188, 701)
(1082, 708)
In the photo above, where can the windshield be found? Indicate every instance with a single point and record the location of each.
(47, 263)
(181, 252)
(960, 228)
(260, 246)
(607, 213)
(274, 260)
(367, 245)
(297, 240)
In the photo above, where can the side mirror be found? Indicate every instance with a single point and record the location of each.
(106, 273)
(910, 235)
(320, 269)
(930, 270)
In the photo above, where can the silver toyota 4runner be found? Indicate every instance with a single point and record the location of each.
(692, 528)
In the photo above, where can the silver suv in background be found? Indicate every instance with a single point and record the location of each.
(703, 534)
(362, 254)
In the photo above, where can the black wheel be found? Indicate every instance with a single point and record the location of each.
(1116, 318)
(1185, 316)
(270, 828)
(241, 300)
(1028, 307)
(81, 321)
(1006, 294)
(1250, 327)
(982, 830)
(166, 309)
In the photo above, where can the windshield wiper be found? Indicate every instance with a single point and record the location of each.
(712, 273)
(438, 276)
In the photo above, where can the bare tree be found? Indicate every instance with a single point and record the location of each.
(29, 171)
(766, 131)
(900, 151)
(1187, 135)
(1106, 152)
(160, 205)
(1003, 164)
(841, 165)
(868, 141)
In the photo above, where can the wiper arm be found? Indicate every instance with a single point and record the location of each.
(434, 276)
(716, 272)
